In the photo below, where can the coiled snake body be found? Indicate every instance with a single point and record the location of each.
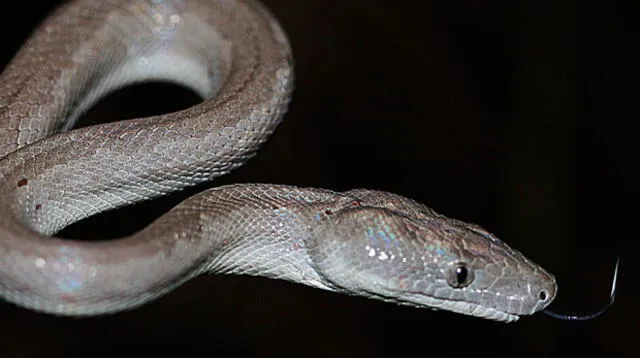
(236, 56)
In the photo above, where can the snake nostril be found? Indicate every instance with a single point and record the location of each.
(542, 295)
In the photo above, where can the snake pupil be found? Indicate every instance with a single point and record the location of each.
(461, 275)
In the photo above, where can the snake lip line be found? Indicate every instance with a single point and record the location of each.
(457, 306)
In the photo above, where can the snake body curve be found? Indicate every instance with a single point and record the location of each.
(236, 56)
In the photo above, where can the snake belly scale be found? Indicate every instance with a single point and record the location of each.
(235, 55)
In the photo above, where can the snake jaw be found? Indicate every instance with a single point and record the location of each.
(476, 310)
(420, 300)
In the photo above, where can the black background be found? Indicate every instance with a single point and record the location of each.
(515, 116)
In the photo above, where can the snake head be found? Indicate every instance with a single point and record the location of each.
(395, 249)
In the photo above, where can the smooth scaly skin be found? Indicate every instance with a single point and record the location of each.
(235, 55)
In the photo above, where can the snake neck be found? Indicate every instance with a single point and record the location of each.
(265, 230)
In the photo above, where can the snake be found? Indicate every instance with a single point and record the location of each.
(235, 55)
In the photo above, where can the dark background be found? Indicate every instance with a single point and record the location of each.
(515, 116)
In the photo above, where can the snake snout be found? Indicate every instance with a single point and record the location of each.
(522, 291)
(542, 291)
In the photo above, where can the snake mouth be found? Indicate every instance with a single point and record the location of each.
(475, 310)
(482, 312)
(462, 307)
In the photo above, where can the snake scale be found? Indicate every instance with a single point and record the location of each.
(235, 55)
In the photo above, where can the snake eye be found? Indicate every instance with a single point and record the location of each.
(459, 276)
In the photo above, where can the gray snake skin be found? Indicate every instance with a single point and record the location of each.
(235, 55)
